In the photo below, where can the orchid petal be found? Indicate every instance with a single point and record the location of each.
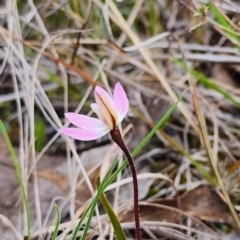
(106, 105)
(83, 121)
(97, 110)
(121, 102)
(85, 134)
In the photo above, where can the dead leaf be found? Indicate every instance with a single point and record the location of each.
(53, 182)
(58, 179)
(202, 202)
(206, 204)
(221, 75)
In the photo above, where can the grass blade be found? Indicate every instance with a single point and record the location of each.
(208, 83)
(54, 236)
(20, 178)
(115, 223)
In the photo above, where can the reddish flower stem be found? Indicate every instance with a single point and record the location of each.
(117, 138)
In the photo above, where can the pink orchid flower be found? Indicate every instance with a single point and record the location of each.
(110, 112)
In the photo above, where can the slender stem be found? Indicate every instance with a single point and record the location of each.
(117, 138)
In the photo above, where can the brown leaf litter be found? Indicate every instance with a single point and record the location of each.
(203, 203)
